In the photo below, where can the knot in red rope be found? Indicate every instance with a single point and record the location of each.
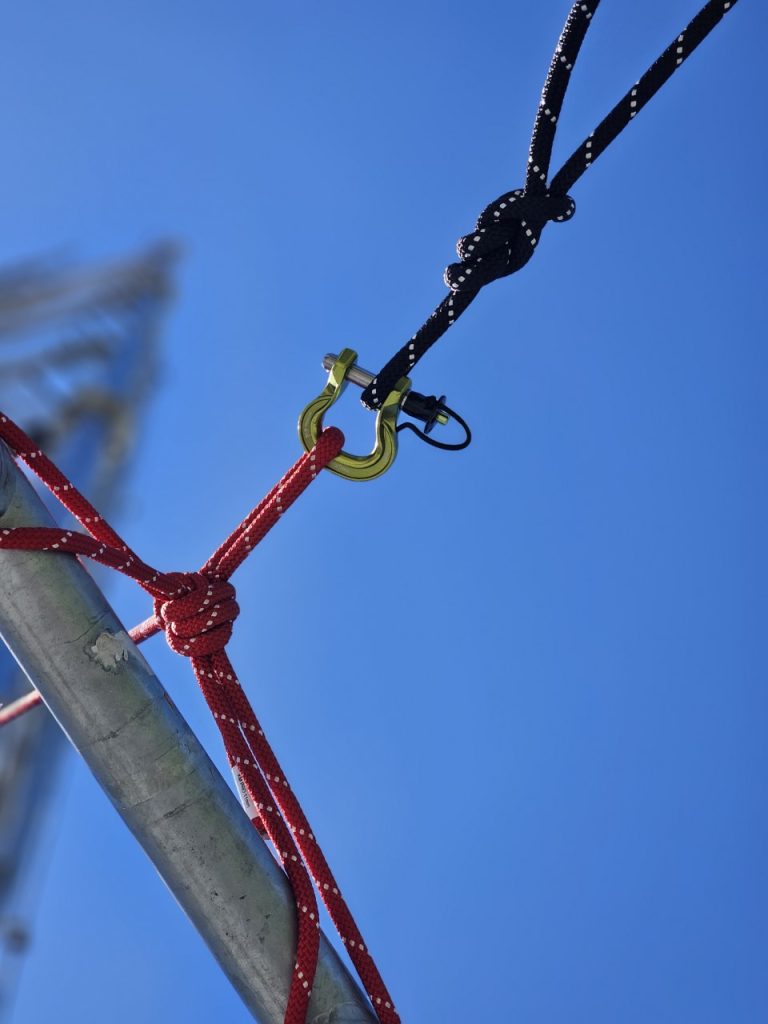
(198, 619)
(196, 610)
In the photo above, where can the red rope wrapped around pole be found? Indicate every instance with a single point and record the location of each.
(196, 611)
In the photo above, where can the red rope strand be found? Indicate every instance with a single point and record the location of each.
(196, 611)
(19, 707)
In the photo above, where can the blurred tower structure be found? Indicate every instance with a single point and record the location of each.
(78, 349)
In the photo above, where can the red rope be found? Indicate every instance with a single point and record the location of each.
(19, 707)
(196, 610)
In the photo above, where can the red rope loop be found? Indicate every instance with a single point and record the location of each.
(196, 611)
(198, 621)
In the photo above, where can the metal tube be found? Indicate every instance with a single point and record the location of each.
(356, 374)
(411, 401)
(114, 710)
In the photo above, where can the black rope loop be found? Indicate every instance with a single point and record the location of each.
(454, 446)
(509, 229)
(505, 237)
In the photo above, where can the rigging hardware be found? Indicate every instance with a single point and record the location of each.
(427, 408)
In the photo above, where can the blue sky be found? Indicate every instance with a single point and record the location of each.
(533, 744)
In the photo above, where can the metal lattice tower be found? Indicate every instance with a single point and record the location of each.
(78, 351)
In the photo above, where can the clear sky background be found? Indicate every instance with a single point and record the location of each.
(533, 742)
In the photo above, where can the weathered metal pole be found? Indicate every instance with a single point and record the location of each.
(108, 701)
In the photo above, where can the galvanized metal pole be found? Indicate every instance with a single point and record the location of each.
(116, 713)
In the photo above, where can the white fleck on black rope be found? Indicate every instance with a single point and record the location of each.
(508, 230)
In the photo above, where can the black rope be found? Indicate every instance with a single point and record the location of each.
(440, 406)
(509, 229)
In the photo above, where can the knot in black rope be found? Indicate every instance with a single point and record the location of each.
(509, 229)
(198, 619)
(505, 237)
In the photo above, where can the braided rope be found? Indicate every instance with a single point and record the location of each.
(509, 229)
(196, 611)
(19, 707)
